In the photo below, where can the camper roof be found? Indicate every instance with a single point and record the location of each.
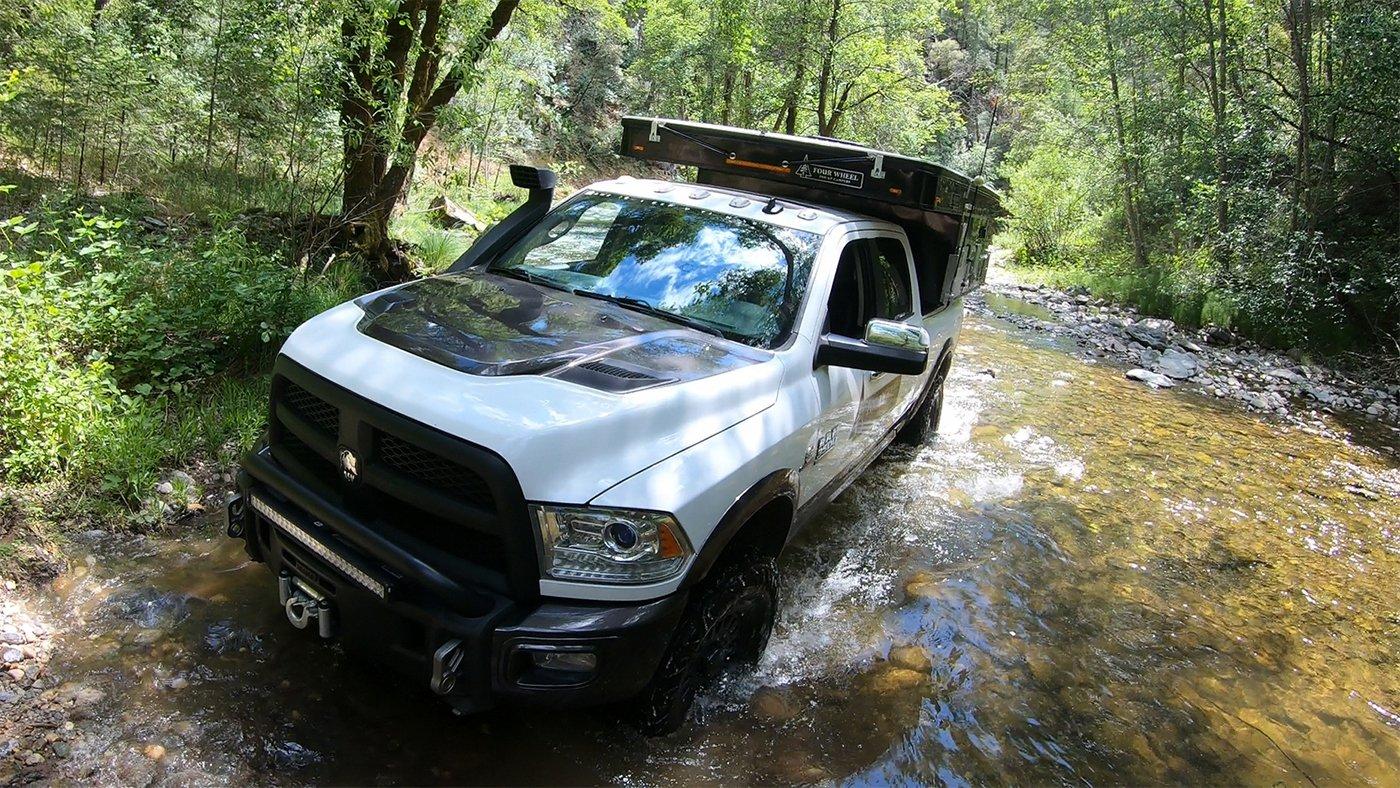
(843, 174)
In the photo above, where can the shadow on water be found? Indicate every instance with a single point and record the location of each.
(1080, 580)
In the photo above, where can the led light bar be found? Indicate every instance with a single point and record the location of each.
(316, 546)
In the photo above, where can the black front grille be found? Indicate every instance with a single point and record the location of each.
(432, 470)
(320, 414)
(456, 504)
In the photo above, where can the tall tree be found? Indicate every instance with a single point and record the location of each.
(400, 74)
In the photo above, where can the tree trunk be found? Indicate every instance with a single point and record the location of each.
(378, 151)
(1125, 156)
(214, 82)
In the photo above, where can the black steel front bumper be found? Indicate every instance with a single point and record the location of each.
(385, 603)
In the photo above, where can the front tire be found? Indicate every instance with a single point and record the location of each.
(729, 618)
(924, 423)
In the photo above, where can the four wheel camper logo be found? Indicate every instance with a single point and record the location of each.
(832, 175)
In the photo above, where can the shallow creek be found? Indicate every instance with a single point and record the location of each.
(1100, 583)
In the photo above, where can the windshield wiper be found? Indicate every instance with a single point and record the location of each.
(521, 273)
(646, 307)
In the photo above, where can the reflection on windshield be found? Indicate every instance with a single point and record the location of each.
(743, 278)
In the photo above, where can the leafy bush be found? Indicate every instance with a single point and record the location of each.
(116, 341)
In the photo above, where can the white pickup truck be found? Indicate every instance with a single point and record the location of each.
(562, 472)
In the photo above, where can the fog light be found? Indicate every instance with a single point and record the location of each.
(565, 661)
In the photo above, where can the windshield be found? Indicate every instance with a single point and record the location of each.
(733, 276)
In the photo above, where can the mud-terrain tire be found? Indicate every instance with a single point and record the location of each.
(728, 618)
(924, 423)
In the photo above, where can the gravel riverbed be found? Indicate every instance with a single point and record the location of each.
(1210, 360)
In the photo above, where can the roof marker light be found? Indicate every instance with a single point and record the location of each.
(807, 215)
(739, 202)
(699, 194)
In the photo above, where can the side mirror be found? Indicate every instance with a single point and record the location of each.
(889, 346)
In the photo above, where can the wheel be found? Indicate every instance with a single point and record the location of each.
(729, 618)
(924, 423)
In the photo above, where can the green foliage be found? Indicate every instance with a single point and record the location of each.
(1234, 157)
(1053, 206)
(114, 340)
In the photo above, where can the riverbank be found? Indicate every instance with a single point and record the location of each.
(1211, 360)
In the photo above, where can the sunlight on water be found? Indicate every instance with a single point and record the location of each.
(1080, 580)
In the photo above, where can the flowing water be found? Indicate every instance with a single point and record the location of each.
(1081, 580)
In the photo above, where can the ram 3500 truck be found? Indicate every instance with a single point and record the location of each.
(562, 472)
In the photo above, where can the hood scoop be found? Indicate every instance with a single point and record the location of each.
(604, 368)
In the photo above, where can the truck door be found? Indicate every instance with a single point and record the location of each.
(887, 279)
(832, 447)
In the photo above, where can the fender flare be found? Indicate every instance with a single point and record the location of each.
(776, 485)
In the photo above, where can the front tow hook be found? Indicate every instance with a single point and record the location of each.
(304, 603)
(447, 662)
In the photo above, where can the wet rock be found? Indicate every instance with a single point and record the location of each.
(81, 695)
(1217, 335)
(894, 679)
(773, 704)
(796, 767)
(1148, 336)
(291, 755)
(62, 749)
(147, 637)
(154, 752)
(912, 658)
(1368, 494)
(1178, 365)
(1152, 379)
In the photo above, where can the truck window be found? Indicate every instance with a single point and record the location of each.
(889, 276)
(576, 242)
(843, 308)
(742, 278)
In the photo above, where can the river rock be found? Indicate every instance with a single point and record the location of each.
(912, 658)
(12, 637)
(1152, 379)
(154, 752)
(1178, 365)
(165, 488)
(894, 679)
(1151, 337)
(13, 655)
(772, 704)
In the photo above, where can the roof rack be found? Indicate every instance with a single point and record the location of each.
(831, 171)
(948, 216)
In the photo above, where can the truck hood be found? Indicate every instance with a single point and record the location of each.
(486, 324)
(531, 396)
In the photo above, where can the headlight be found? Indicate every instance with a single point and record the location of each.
(610, 545)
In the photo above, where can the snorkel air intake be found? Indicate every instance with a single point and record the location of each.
(540, 184)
